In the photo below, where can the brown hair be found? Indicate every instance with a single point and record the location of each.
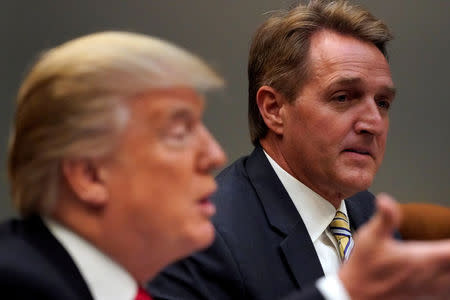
(279, 50)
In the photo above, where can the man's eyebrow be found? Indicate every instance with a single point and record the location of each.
(346, 81)
(392, 91)
(181, 114)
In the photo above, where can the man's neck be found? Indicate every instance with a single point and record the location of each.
(272, 147)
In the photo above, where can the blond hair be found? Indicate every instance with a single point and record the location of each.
(279, 50)
(72, 104)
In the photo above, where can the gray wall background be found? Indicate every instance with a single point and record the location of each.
(417, 161)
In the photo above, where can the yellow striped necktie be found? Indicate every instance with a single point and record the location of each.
(340, 228)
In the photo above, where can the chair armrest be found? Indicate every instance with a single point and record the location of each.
(421, 221)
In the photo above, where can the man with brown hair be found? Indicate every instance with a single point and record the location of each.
(320, 90)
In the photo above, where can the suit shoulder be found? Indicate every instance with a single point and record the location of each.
(25, 257)
(16, 251)
(12, 238)
(21, 266)
(232, 182)
(235, 171)
(234, 187)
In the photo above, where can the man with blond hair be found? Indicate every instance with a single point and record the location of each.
(320, 90)
(109, 166)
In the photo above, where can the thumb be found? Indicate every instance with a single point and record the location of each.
(386, 218)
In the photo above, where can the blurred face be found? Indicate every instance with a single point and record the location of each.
(335, 131)
(159, 177)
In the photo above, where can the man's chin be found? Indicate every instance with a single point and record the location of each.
(202, 236)
(351, 185)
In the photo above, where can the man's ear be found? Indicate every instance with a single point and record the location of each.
(270, 104)
(82, 177)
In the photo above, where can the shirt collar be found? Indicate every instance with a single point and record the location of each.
(316, 212)
(105, 278)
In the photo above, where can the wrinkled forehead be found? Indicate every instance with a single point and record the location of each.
(168, 103)
(334, 52)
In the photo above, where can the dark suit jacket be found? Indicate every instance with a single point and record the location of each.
(34, 265)
(262, 249)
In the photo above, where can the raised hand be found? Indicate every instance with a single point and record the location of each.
(383, 268)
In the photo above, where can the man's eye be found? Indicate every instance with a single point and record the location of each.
(341, 98)
(178, 132)
(384, 104)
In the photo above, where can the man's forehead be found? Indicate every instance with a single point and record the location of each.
(345, 57)
(176, 97)
(328, 45)
(167, 104)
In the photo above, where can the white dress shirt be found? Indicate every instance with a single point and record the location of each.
(105, 279)
(317, 214)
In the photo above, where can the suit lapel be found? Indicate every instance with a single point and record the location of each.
(297, 247)
(39, 235)
(301, 256)
(360, 208)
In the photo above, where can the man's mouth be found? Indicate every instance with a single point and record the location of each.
(206, 206)
(204, 200)
(361, 151)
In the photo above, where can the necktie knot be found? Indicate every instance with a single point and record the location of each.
(340, 228)
(142, 295)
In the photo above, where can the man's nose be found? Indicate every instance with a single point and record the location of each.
(212, 155)
(371, 119)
